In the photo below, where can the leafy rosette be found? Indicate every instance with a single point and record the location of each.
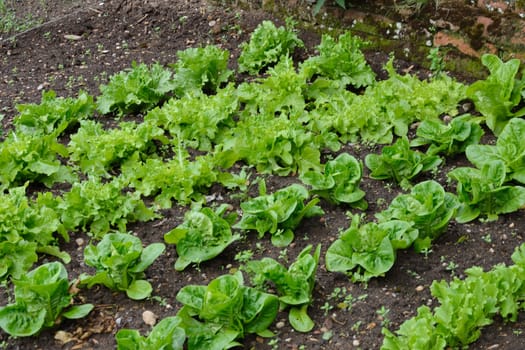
(369, 250)
(400, 162)
(340, 181)
(448, 139)
(482, 192)
(42, 298)
(120, 262)
(214, 316)
(428, 207)
(203, 235)
(509, 148)
(497, 97)
(294, 285)
(167, 334)
(267, 45)
(278, 213)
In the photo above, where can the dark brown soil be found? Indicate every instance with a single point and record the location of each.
(113, 34)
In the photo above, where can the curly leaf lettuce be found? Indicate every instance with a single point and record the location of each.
(267, 45)
(135, 90)
(340, 59)
(201, 69)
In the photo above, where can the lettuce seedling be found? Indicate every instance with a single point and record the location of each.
(497, 96)
(448, 139)
(120, 262)
(294, 285)
(135, 90)
(340, 181)
(428, 207)
(166, 335)
(369, 250)
(201, 69)
(278, 213)
(509, 148)
(267, 45)
(400, 162)
(42, 298)
(203, 235)
(482, 192)
(214, 316)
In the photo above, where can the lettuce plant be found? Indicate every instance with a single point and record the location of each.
(201, 69)
(203, 235)
(482, 192)
(166, 335)
(42, 298)
(280, 92)
(214, 316)
(294, 285)
(428, 207)
(497, 97)
(466, 305)
(34, 158)
(369, 250)
(340, 181)
(178, 178)
(278, 213)
(448, 139)
(120, 262)
(135, 90)
(27, 227)
(97, 207)
(341, 60)
(97, 151)
(400, 162)
(509, 148)
(267, 45)
(53, 115)
(186, 120)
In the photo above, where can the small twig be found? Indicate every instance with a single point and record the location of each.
(142, 19)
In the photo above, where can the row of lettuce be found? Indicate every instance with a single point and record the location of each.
(198, 126)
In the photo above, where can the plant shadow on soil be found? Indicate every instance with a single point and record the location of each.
(108, 37)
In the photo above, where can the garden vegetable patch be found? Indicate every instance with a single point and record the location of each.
(271, 194)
